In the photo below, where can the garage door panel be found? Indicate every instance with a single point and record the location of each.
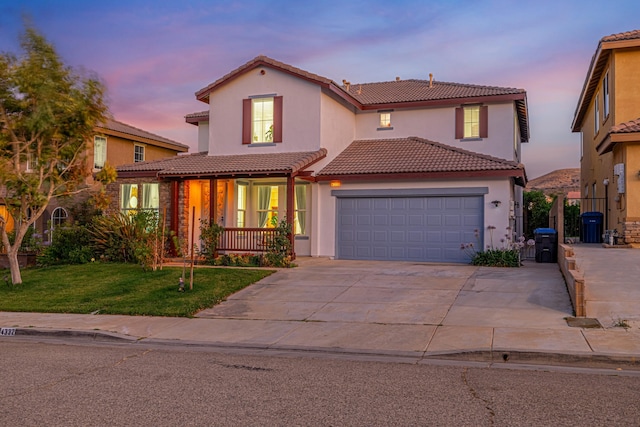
(398, 236)
(398, 220)
(452, 220)
(408, 228)
(434, 236)
(381, 220)
(416, 220)
(415, 236)
(380, 236)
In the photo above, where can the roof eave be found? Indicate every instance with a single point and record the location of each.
(501, 173)
(180, 148)
(599, 59)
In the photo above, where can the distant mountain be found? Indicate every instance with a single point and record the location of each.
(560, 181)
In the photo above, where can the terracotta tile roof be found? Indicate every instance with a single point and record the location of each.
(116, 126)
(201, 164)
(627, 127)
(198, 115)
(195, 118)
(411, 155)
(420, 90)
(627, 35)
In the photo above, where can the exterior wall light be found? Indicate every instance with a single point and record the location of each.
(496, 203)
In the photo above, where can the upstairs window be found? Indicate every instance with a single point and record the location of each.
(99, 151)
(596, 113)
(385, 120)
(605, 95)
(262, 119)
(472, 122)
(138, 153)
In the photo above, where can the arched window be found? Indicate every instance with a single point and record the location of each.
(58, 218)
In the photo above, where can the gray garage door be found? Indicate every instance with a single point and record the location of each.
(424, 228)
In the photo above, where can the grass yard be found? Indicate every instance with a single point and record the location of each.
(122, 289)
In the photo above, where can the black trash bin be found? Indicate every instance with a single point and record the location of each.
(546, 244)
(591, 227)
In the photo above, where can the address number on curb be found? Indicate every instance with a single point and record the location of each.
(7, 332)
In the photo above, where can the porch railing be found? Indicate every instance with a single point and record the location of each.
(245, 239)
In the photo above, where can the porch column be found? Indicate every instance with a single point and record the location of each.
(291, 182)
(213, 201)
(174, 208)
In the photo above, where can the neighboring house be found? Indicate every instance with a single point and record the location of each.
(401, 170)
(608, 116)
(115, 143)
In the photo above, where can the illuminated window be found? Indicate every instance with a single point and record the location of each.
(472, 121)
(242, 206)
(385, 120)
(300, 218)
(128, 198)
(262, 120)
(267, 206)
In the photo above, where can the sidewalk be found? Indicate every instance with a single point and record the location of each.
(409, 310)
(612, 283)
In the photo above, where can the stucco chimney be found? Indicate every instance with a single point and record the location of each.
(347, 85)
(430, 80)
(397, 78)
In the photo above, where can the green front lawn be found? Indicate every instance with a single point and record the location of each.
(122, 289)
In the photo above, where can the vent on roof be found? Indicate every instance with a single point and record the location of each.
(430, 80)
(397, 78)
(347, 85)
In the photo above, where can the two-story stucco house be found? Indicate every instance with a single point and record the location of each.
(608, 117)
(399, 170)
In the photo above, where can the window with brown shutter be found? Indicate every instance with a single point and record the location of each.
(472, 122)
(262, 120)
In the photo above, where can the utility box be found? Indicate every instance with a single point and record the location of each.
(546, 244)
(591, 227)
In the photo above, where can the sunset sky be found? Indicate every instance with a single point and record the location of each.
(154, 55)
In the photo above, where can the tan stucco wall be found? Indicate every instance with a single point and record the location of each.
(625, 85)
(624, 209)
(120, 151)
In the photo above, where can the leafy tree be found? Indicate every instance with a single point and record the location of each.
(47, 114)
(536, 211)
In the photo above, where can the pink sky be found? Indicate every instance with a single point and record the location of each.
(153, 56)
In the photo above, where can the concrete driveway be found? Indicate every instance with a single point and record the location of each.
(409, 306)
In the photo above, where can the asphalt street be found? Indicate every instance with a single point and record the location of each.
(124, 385)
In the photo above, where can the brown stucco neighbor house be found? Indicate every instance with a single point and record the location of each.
(397, 170)
(608, 117)
(115, 143)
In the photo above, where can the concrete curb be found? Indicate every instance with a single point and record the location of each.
(489, 357)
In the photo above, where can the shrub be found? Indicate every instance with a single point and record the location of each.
(69, 245)
(209, 235)
(506, 256)
(497, 258)
(128, 238)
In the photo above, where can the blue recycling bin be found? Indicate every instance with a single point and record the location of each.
(591, 227)
(546, 244)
